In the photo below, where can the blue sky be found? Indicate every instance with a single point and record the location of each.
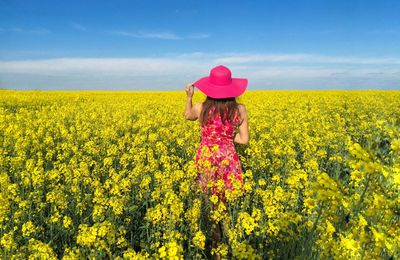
(166, 44)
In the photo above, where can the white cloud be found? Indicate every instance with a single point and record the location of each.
(24, 30)
(163, 35)
(383, 31)
(198, 36)
(173, 71)
(78, 27)
(148, 35)
(114, 66)
(305, 58)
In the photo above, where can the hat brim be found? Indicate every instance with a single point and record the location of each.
(235, 89)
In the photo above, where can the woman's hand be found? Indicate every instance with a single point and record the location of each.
(189, 90)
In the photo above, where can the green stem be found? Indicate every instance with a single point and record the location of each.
(358, 207)
(319, 215)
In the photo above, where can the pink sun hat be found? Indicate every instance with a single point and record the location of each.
(220, 83)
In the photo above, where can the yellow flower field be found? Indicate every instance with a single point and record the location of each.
(102, 174)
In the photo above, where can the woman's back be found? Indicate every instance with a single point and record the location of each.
(216, 158)
(217, 132)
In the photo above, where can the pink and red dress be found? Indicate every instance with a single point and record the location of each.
(216, 157)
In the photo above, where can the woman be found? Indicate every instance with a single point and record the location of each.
(219, 115)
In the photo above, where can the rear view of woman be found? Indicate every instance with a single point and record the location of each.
(219, 116)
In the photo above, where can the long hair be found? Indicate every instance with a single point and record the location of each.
(221, 105)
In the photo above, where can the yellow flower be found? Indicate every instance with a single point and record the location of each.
(356, 176)
(351, 247)
(199, 240)
(262, 182)
(218, 214)
(109, 158)
(396, 177)
(162, 252)
(225, 162)
(361, 223)
(221, 250)
(28, 228)
(330, 229)
(215, 148)
(378, 237)
(276, 178)
(39, 250)
(170, 250)
(247, 222)
(214, 199)
(395, 145)
(7, 241)
(87, 235)
(67, 221)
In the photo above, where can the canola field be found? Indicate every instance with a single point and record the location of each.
(110, 175)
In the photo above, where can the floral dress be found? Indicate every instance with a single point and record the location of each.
(216, 158)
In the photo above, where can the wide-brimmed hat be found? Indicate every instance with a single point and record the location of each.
(220, 83)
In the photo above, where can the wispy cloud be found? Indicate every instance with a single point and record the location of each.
(383, 31)
(148, 35)
(25, 30)
(66, 66)
(198, 36)
(173, 71)
(78, 26)
(163, 35)
(305, 58)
